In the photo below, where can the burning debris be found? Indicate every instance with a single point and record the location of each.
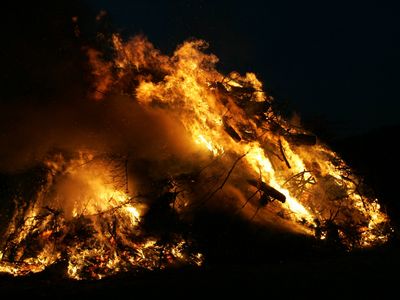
(267, 191)
(103, 213)
(98, 229)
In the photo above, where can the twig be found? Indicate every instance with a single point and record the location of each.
(294, 176)
(210, 163)
(100, 92)
(251, 197)
(255, 213)
(114, 208)
(283, 154)
(357, 189)
(225, 180)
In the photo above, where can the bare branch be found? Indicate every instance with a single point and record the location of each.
(283, 154)
(225, 180)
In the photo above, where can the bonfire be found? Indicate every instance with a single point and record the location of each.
(107, 212)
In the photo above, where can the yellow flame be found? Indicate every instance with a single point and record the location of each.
(229, 115)
(111, 215)
(201, 98)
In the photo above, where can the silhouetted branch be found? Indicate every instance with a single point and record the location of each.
(226, 178)
(283, 154)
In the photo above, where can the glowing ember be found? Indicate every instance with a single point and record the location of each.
(246, 154)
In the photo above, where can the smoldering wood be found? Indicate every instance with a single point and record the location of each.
(268, 190)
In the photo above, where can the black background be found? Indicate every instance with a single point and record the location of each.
(332, 60)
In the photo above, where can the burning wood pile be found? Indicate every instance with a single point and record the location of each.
(102, 213)
(103, 232)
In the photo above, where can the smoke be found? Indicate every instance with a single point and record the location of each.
(181, 137)
(116, 125)
(45, 106)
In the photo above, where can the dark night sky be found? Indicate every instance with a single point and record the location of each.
(336, 63)
(333, 61)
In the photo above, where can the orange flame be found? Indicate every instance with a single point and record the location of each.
(279, 168)
(216, 111)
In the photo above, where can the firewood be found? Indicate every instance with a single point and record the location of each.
(268, 190)
(231, 131)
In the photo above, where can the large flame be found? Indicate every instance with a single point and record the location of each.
(256, 159)
(84, 215)
(231, 114)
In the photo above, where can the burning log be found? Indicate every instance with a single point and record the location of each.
(231, 131)
(283, 154)
(247, 132)
(267, 190)
(97, 226)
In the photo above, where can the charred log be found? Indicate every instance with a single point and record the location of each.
(267, 190)
(283, 155)
(265, 199)
(231, 131)
(247, 132)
